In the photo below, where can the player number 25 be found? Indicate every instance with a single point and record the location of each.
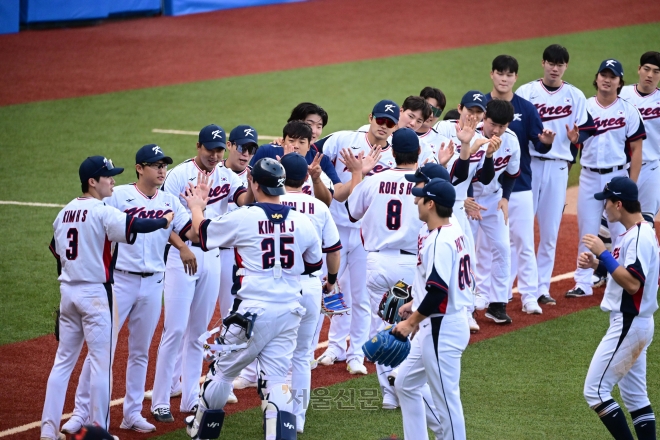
(286, 254)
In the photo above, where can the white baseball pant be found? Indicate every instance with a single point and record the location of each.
(649, 184)
(523, 257)
(225, 298)
(589, 214)
(189, 304)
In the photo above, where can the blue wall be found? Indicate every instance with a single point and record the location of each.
(9, 14)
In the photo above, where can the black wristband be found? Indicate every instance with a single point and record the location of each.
(332, 278)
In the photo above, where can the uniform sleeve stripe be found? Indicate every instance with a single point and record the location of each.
(184, 230)
(334, 248)
(513, 175)
(637, 274)
(239, 192)
(438, 285)
(350, 217)
(636, 137)
(202, 234)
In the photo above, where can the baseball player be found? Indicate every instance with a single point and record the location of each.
(473, 155)
(441, 292)
(385, 204)
(414, 111)
(295, 167)
(614, 150)
(314, 116)
(275, 245)
(493, 223)
(645, 96)
(563, 110)
(631, 299)
(190, 300)
(435, 147)
(382, 122)
(82, 244)
(437, 100)
(138, 283)
(529, 130)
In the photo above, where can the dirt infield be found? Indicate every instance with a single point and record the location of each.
(30, 361)
(63, 63)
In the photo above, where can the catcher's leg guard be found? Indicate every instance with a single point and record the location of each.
(279, 425)
(205, 424)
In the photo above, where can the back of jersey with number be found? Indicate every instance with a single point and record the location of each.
(443, 262)
(390, 218)
(83, 234)
(318, 213)
(252, 234)
(637, 251)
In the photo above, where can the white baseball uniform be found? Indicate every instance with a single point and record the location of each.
(649, 176)
(263, 234)
(138, 288)
(326, 230)
(443, 268)
(557, 108)
(389, 227)
(604, 156)
(82, 243)
(353, 255)
(494, 281)
(621, 355)
(190, 299)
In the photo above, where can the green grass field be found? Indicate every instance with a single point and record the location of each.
(525, 385)
(43, 143)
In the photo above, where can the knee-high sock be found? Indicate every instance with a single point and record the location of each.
(612, 416)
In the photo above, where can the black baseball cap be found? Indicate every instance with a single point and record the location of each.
(243, 134)
(474, 98)
(97, 166)
(405, 140)
(621, 187)
(613, 65)
(212, 137)
(427, 172)
(439, 190)
(295, 166)
(151, 153)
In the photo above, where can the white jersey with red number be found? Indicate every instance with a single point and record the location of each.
(649, 108)
(147, 253)
(637, 251)
(506, 160)
(390, 218)
(243, 176)
(565, 106)
(430, 143)
(443, 261)
(251, 230)
(320, 216)
(226, 186)
(84, 232)
(616, 125)
(357, 142)
(448, 130)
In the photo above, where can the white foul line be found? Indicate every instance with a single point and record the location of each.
(196, 133)
(562, 277)
(43, 205)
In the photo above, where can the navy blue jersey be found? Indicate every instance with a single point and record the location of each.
(272, 151)
(527, 126)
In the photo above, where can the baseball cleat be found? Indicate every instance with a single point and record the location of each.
(327, 358)
(163, 415)
(140, 425)
(390, 401)
(532, 308)
(240, 382)
(497, 312)
(230, 399)
(576, 292)
(598, 281)
(313, 364)
(60, 436)
(472, 323)
(480, 301)
(73, 425)
(354, 366)
(547, 300)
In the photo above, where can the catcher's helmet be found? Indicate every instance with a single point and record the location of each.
(270, 176)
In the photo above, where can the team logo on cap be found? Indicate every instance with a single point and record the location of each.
(477, 97)
(610, 63)
(248, 132)
(216, 134)
(157, 150)
(389, 108)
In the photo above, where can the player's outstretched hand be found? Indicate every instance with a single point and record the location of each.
(503, 204)
(547, 136)
(587, 260)
(466, 134)
(473, 209)
(204, 183)
(353, 164)
(169, 216)
(594, 244)
(370, 160)
(445, 153)
(493, 146)
(189, 260)
(195, 197)
(573, 134)
(314, 169)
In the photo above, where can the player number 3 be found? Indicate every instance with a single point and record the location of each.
(72, 250)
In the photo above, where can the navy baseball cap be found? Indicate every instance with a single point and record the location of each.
(439, 190)
(97, 166)
(613, 65)
(295, 166)
(243, 134)
(405, 140)
(151, 153)
(474, 98)
(620, 187)
(212, 137)
(427, 172)
(386, 109)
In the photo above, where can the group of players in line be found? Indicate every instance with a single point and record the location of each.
(447, 207)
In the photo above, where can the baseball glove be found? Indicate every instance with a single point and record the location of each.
(393, 299)
(332, 303)
(386, 348)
